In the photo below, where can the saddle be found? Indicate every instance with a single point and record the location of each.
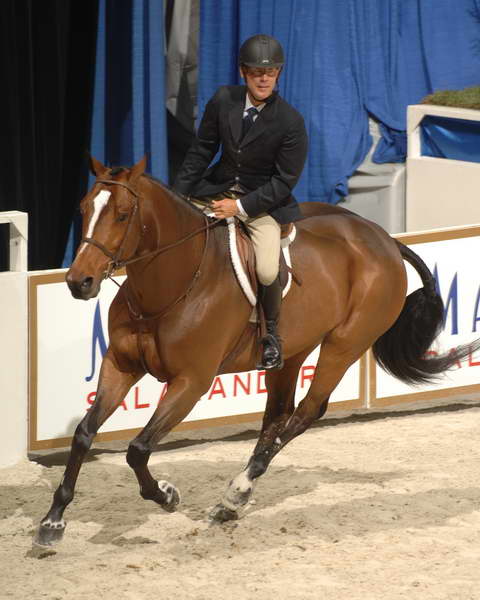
(243, 261)
(243, 258)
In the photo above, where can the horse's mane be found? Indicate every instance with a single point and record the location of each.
(160, 183)
(172, 192)
(120, 169)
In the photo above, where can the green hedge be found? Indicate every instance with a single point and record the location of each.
(467, 98)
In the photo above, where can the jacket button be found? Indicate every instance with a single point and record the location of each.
(237, 178)
(239, 150)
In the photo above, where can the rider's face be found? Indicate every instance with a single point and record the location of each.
(260, 82)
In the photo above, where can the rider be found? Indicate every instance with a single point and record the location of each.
(264, 146)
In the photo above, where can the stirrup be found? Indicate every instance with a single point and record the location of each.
(271, 345)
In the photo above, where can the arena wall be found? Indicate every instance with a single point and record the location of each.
(55, 343)
(67, 343)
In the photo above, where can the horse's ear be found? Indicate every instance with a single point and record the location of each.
(96, 167)
(138, 169)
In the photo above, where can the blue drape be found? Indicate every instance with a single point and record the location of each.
(129, 118)
(346, 61)
(129, 105)
(457, 139)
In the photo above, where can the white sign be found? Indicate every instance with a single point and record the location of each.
(454, 265)
(72, 337)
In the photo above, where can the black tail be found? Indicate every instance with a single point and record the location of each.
(402, 350)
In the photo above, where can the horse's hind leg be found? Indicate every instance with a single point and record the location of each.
(336, 355)
(281, 386)
(112, 388)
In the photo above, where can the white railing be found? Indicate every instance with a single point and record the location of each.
(18, 238)
(14, 347)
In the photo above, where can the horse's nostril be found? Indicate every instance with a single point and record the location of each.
(86, 283)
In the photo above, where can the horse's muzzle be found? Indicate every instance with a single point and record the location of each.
(82, 288)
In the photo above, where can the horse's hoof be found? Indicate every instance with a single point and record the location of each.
(221, 514)
(49, 533)
(172, 496)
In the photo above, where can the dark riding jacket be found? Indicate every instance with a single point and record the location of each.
(266, 163)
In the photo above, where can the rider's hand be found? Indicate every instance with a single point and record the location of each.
(225, 208)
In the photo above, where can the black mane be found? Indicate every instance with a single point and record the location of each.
(116, 170)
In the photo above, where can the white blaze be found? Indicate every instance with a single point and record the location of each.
(99, 203)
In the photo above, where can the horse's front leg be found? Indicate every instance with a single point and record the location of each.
(112, 388)
(182, 394)
(281, 386)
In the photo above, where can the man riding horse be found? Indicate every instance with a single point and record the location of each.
(264, 146)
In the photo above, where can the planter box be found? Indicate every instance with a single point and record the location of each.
(440, 192)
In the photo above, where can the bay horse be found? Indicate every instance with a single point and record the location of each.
(182, 317)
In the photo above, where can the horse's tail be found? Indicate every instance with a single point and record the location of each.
(402, 350)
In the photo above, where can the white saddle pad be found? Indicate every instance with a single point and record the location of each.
(240, 271)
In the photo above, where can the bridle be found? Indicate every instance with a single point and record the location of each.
(115, 262)
(115, 258)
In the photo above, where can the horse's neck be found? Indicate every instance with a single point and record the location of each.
(166, 215)
(156, 282)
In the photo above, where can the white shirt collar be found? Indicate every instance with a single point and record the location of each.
(248, 104)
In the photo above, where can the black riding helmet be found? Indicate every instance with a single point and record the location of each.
(261, 51)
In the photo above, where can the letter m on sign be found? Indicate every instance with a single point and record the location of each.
(451, 304)
(97, 338)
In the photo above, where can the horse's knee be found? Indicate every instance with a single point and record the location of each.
(138, 454)
(266, 273)
(82, 438)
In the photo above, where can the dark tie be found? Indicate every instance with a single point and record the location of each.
(248, 120)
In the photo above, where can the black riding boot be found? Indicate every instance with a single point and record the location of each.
(270, 297)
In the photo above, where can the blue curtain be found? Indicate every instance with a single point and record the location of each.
(129, 115)
(346, 61)
(456, 139)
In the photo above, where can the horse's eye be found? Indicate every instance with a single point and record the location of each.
(122, 217)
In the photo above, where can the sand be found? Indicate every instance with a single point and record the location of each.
(384, 506)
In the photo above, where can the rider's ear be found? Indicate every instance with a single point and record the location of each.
(96, 167)
(138, 169)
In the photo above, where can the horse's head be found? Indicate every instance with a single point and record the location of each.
(111, 227)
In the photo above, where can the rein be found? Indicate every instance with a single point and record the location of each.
(115, 262)
(138, 316)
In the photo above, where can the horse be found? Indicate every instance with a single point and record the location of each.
(185, 332)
